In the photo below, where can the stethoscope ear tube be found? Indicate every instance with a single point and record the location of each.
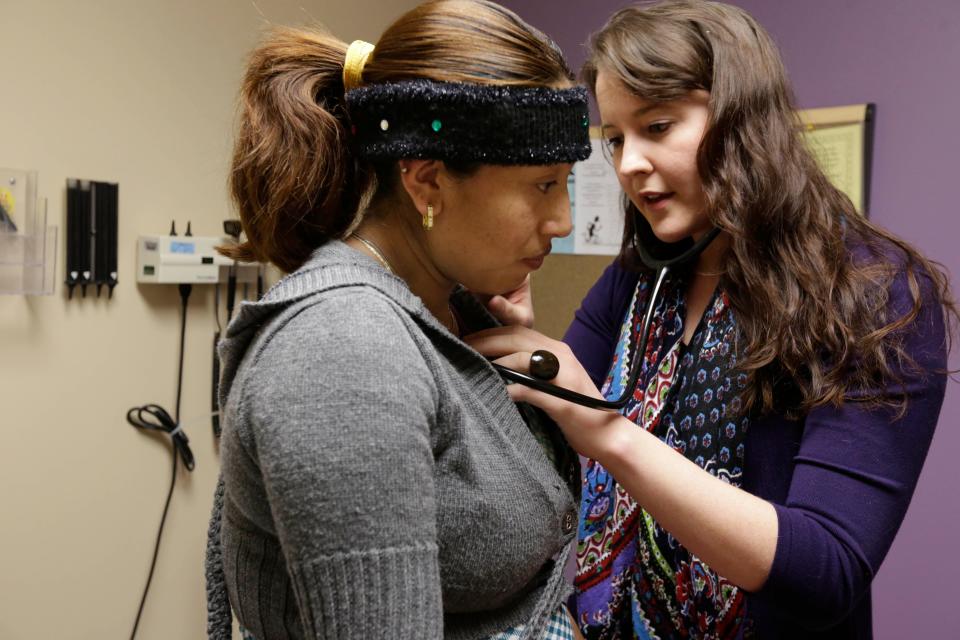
(685, 256)
(635, 366)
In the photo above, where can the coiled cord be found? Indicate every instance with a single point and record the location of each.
(153, 417)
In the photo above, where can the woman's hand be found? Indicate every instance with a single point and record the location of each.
(731, 530)
(513, 308)
(592, 432)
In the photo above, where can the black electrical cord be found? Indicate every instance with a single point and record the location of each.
(215, 386)
(153, 417)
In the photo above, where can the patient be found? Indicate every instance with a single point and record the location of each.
(377, 479)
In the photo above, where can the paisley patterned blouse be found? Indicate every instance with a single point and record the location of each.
(634, 580)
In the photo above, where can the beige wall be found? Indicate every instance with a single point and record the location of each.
(140, 93)
(559, 287)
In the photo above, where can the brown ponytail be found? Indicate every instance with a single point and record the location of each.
(295, 180)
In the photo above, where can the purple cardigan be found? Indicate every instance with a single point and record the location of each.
(839, 479)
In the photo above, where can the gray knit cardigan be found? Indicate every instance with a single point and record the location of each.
(377, 481)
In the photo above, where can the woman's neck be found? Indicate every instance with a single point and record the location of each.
(402, 253)
(712, 260)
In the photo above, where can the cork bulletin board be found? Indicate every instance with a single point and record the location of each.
(841, 139)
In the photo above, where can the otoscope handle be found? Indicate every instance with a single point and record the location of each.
(215, 400)
(231, 290)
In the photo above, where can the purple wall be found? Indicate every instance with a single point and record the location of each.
(905, 57)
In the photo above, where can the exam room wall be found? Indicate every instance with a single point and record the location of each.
(902, 56)
(141, 93)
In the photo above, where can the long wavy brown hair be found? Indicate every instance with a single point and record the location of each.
(815, 317)
(295, 178)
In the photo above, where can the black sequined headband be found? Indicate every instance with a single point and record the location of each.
(490, 124)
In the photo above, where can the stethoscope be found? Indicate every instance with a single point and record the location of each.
(662, 265)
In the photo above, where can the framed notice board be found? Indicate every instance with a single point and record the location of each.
(841, 139)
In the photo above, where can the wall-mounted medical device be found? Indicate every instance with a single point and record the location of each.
(92, 217)
(188, 260)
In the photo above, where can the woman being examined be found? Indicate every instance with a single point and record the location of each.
(378, 481)
(793, 374)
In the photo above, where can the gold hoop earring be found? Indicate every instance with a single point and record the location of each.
(428, 218)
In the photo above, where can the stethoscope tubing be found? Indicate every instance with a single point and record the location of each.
(512, 375)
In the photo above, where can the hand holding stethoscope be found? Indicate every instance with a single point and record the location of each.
(544, 379)
(512, 348)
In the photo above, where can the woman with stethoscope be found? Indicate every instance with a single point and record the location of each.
(784, 357)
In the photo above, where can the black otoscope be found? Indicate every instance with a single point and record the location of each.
(666, 259)
(231, 228)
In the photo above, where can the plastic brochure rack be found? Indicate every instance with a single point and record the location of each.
(28, 247)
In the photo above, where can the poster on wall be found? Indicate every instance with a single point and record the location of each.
(841, 139)
(595, 205)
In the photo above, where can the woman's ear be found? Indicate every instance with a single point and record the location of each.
(422, 181)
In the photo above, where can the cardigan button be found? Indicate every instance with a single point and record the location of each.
(568, 521)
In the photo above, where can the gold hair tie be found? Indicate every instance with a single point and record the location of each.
(357, 55)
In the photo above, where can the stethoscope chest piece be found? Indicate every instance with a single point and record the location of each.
(544, 365)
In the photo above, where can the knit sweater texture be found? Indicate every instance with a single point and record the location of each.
(377, 480)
